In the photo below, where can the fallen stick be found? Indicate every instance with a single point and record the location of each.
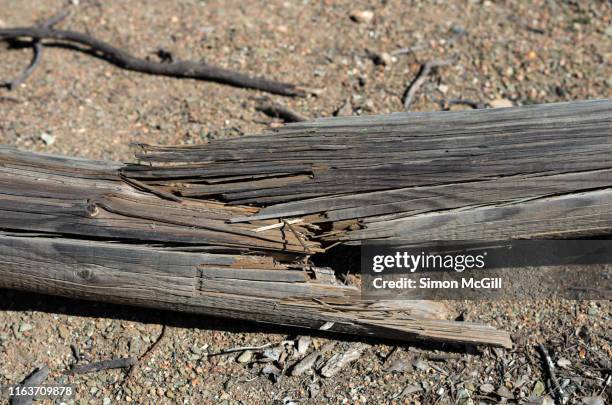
(550, 369)
(415, 85)
(103, 365)
(181, 69)
(275, 110)
(33, 380)
(38, 50)
(142, 359)
(241, 349)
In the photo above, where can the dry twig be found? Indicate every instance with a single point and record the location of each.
(181, 69)
(550, 368)
(241, 349)
(124, 362)
(279, 111)
(38, 49)
(33, 380)
(146, 355)
(413, 88)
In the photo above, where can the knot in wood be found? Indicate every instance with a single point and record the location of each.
(85, 274)
(92, 209)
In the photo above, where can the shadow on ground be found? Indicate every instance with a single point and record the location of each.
(13, 300)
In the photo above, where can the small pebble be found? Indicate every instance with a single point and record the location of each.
(63, 331)
(47, 138)
(593, 401)
(344, 110)
(504, 392)
(25, 327)
(501, 103)
(420, 364)
(245, 357)
(362, 16)
(564, 363)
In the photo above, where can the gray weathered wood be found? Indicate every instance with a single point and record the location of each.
(175, 231)
(397, 173)
(216, 284)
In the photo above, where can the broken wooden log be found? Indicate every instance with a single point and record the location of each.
(230, 228)
(536, 171)
(77, 228)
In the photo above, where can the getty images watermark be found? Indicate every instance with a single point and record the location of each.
(422, 261)
(525, 269)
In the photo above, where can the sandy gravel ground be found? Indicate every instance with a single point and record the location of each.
(507, 53)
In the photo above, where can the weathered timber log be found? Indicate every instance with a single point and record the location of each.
(174, 231)
(78, 228)
(536, 171)
(221, 285)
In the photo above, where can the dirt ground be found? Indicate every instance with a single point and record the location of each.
(507, 52)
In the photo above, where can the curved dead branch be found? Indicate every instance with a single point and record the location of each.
(38, 49)
(180, 69)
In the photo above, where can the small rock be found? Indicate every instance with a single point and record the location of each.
(272, 353)
(486, 388)
(362, 16)
(272, 372)
(538, 389)
(313, 390)
(522, 380)
(547, 400)
(289, 401)
(303, 344)
(463, 397)
(564, 363)
(609, 31)
(504, 392)
(345, 109)
(443, 88)
(410, 389)
(380, 59)
(399, 366)
(47, 138)
(499, 352)
(501, 103)
(134, 345)
(25, 327)
(340, 360)
(63, 331)
(421, 364)
(593, 401)
(368, 105)
(106, 401)
(245, 357)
